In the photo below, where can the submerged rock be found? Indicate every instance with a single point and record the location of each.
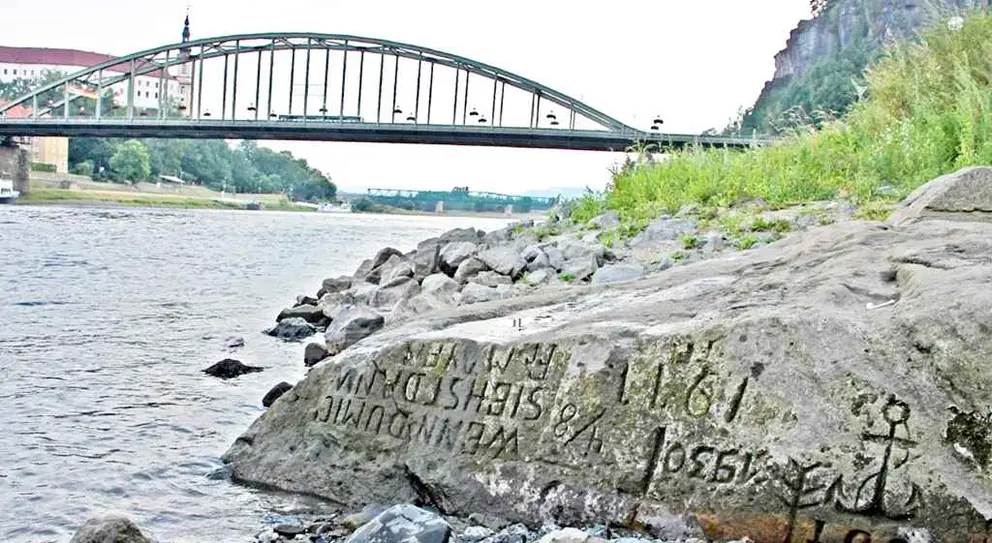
(309, 313)
(275, 392)
(230, 368)
(292, 329)
(110, 529)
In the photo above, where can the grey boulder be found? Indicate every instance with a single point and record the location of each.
(606, 221)
(617, 273)
(468, 269)
(474, 293)
(580, 268)
(455, 253)
(387, 298)
(292, 329)
(504, 260)
(113, 528)
(403, 524)
(335, 284)
(313, 353)
(310, 313)
(275, 393)
(491, 279)
(350, 325)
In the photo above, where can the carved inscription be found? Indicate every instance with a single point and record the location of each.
(440, 398)
(672, 457)
(693, 389)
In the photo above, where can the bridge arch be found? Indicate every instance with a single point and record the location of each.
(164, 59)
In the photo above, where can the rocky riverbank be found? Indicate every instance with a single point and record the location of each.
(467, 266)
(750, 375)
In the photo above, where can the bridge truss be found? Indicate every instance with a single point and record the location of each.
(320, 87)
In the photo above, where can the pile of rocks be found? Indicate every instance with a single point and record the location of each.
(461, 267)
(468, 266)
(411, 524)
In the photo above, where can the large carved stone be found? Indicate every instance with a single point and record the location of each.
(833, 387)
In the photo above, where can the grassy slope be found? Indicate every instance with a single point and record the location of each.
(929, 112)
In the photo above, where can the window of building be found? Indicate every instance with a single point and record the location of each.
(15, 71)
(5, 71)
(156, 95)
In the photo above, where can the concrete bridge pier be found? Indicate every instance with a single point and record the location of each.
(439, 207)
(14, 166)
(508, 209)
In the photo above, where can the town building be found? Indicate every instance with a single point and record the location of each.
(150, 89)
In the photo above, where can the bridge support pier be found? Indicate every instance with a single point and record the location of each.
(439, 207)
(509, 209)
(14, 166)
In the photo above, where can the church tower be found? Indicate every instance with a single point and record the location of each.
(184, 76)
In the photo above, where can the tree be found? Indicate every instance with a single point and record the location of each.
(131, 161)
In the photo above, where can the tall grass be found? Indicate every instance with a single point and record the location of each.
(928, 111)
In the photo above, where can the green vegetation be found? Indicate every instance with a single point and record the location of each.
(211, 163)
(566, 277)
(929, 112)
(42, 167)
(145, 200)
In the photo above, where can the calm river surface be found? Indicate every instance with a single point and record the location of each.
(107, 317)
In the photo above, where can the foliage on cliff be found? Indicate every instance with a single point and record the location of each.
(929, 112)
(820, 73)
(212, 163)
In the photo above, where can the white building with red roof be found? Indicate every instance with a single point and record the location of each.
(34, 62)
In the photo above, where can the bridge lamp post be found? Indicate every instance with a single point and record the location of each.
(553, 118)
(396, 111)
(656, 124)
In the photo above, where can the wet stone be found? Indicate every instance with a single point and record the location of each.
(230, 368)
(275, 393)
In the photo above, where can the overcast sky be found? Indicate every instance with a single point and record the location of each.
(694, 62)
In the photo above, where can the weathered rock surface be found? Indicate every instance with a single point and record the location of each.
(335, 284)
(469, 268)
(230, 368)
(292, 329)
(351, 324)
(313, 353)
(474, 293)
(962, 195)
(387, 298)
(504, 260)
(618, 272)
(454, 254)
(403, 524)
(492, 279)
(309, 313)
(275, 392)
(580, 268)
(110, 529)
(830, 387)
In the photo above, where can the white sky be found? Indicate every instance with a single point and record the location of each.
(694, 62)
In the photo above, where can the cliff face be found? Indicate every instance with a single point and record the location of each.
(823, 54)
(851, 21)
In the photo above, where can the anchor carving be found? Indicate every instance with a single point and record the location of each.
(870, 498)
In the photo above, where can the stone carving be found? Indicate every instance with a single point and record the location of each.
(719, 390)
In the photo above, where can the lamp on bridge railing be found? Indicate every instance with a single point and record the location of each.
(251, 107)
(272, 115)
(207, 113)
(473, 113)
(482, 119)
(657, 122)
(554, 118)
(397, 111)
(410, 118)
(323, 109)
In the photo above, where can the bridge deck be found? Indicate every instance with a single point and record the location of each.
(539, 138)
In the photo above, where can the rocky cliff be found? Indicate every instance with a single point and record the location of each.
(846, 22)
(841, 40)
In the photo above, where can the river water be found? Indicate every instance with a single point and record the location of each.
(108, 316)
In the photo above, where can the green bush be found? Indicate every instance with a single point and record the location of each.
(929, 113)
(83, 168)
(43, 167)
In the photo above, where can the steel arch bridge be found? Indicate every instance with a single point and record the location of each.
(320, 87)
